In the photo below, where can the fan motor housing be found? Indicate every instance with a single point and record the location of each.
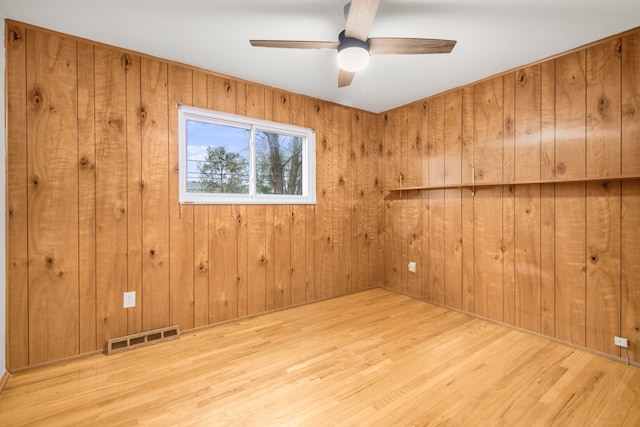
(347, 42)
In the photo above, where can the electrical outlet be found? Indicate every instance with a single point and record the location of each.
(412, 267)
(129, 299)
(621, 342)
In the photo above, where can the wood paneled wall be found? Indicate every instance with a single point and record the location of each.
(559, 259)
(93, 202)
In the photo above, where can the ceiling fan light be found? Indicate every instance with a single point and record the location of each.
(353, 59)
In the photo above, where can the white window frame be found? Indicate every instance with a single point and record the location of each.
(308, 195)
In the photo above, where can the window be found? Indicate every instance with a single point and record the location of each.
(226, 158)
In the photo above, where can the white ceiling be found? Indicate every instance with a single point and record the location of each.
(493, 36)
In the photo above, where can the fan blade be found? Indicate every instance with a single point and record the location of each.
(403, 46)
(360, 19)
(345, 78)
(294, 44)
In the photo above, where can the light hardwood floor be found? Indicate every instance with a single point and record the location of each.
(370, 358)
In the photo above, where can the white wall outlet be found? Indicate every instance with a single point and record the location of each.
(129, 299)
(412, 267)
(621, 342)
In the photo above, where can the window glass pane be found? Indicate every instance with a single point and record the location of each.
(278, 163)
(217, 158)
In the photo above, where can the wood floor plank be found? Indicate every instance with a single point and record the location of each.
(370, 358)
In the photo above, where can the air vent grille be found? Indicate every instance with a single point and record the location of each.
(129, 342)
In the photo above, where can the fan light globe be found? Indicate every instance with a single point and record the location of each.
(353, 58)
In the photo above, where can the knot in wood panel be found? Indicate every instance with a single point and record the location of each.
(561, 168)
(36, 99)
(509, 125)
(125, 62)
(115, 123)
(603, 106)
(203, 266)
(522, 78)
(14, 36)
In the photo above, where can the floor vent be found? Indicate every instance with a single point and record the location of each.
(129, 342)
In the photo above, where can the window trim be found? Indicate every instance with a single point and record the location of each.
(308, 195)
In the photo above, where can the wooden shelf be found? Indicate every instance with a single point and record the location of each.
(474, 186)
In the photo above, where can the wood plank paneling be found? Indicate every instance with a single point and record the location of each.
(320, 120)
(135, 187)
(527, 257)
(453, 199)
(548, 120)
(256, 258)
(200, 226)
(603, 109)
(487, 240)
(570, 115)
(241, 290)
(343, 166)
(111, 183)
(361, 196)
(412, 201)
(508, 254)
(488, 131)
(603, 266)
(298, 254)
(181, 224)
(270, 257)
(527, 119)
(508, 199)
(87, 200)
(375, 219)
(155, 197)
(298, 221)
(52, 144)
(310, 213)
(468, 125)
(570, 268)
(17, 214)
(547, 197)
(630, 268)
(547, 260)
(223, 273)
(631, 104)
(436, 205)
(488, 243)
(392, 140)
(282, 256)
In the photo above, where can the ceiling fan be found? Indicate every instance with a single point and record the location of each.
(355, 46)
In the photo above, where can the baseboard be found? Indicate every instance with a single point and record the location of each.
(3, 380)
